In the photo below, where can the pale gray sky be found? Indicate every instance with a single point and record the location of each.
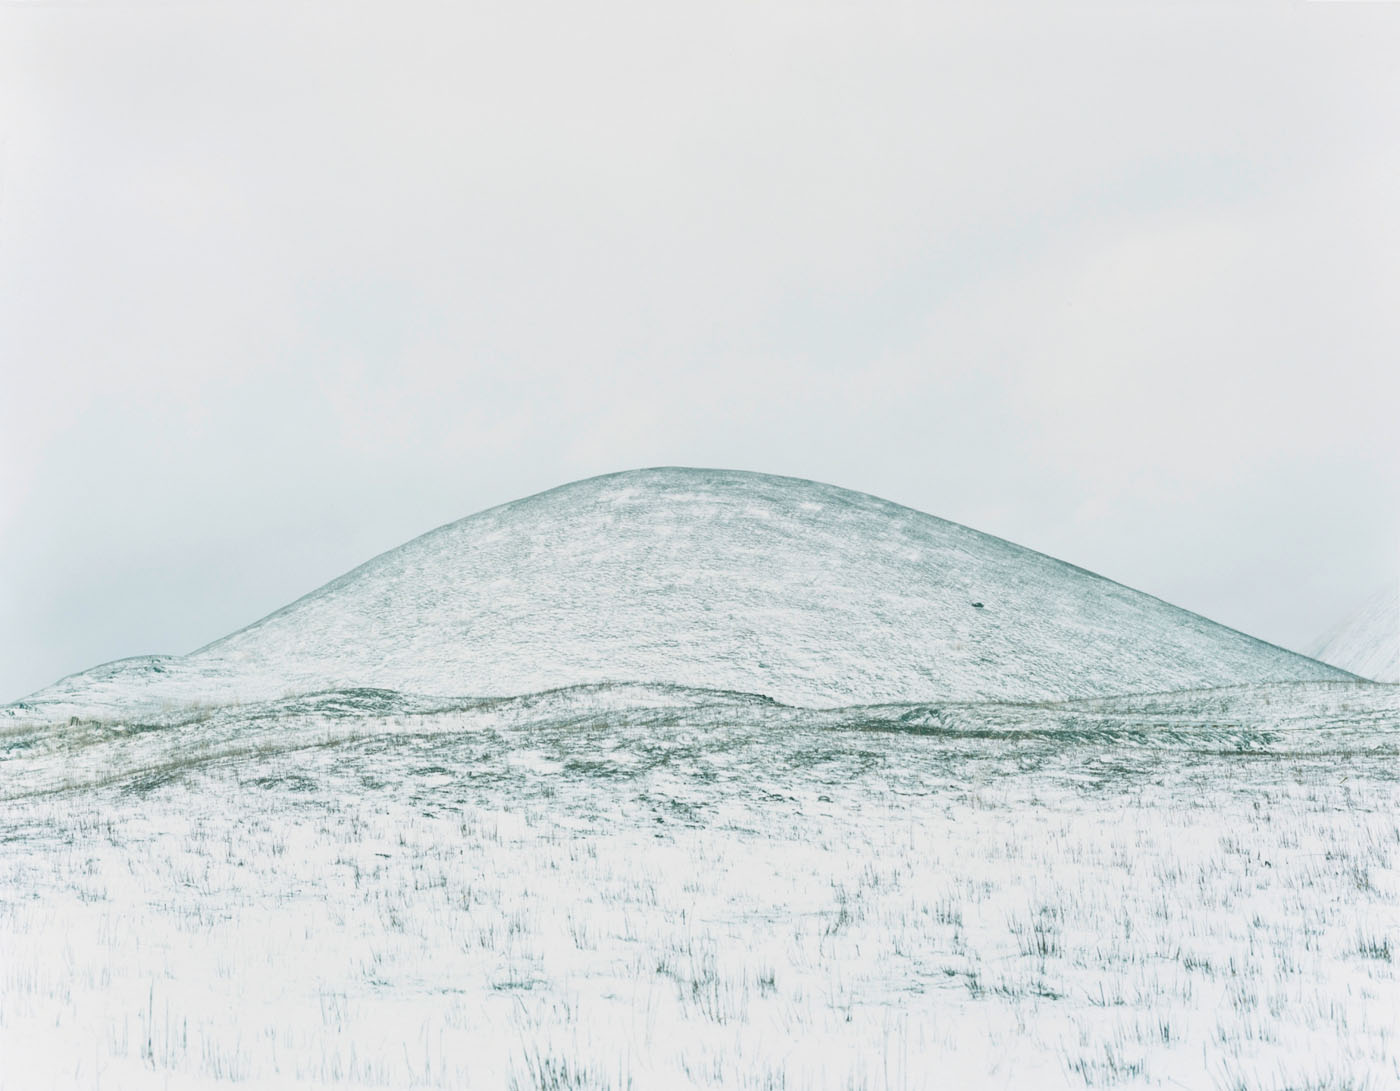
(282, 286)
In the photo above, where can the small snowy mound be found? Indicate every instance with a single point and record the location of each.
(805, 593)
(1368, 642)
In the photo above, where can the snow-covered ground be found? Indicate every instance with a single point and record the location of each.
(694, 779)
(807, 593)
(1368, 642)
(647, 887)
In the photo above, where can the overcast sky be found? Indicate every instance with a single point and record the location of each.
(283, 286)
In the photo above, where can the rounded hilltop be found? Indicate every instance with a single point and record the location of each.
(803, 592)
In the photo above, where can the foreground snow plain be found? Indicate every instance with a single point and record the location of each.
(656, 887)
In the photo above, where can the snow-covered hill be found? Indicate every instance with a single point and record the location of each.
(806, 593)
(1368, 642)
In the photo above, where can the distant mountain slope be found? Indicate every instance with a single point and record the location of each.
(1368, 642)
(806, 593)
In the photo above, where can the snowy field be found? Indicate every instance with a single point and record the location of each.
(646, 887)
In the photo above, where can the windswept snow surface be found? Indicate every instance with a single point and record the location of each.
(620, 888)
(1368, 642)
(805, 593)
